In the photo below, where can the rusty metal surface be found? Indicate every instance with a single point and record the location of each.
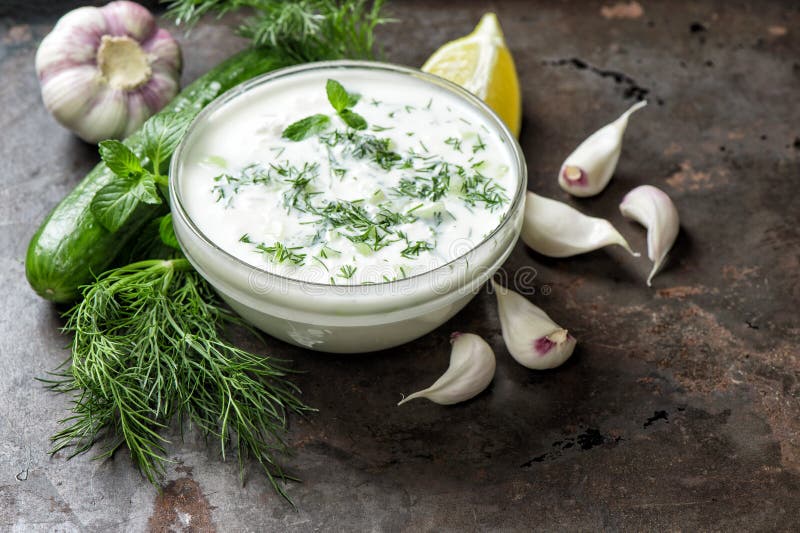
(681, 406)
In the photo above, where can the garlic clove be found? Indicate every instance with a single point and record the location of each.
(472, 366)
(653, 209)
(129, 18)
(532, 338)
(159, 90)
(72, 42)
(64, 94)
(162, 49)
(106, 118)
(588, 169)
(138, 112)
(87, 19)
(556, 229)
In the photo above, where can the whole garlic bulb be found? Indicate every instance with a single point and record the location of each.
(104, 71)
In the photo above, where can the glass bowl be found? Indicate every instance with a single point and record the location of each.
(349, 318)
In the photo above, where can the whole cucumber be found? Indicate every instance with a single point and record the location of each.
(71, 247)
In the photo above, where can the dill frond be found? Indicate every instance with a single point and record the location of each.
(148, 348)
(308, 30)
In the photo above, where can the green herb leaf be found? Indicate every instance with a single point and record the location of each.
(338, 96)
(167, 232)
(120, 159)
(113, 205)
(162, 133)
(307, 30)
(297, 131)
(280, 253)
(354, 120)
(145, 189)
(148, 348)
(347, 271)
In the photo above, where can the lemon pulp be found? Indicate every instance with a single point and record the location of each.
(481, 63)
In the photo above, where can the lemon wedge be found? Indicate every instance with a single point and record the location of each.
(481, 63)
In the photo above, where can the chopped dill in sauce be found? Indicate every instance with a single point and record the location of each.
(363, 186)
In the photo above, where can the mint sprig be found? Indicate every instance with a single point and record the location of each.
(162, 133)
(167, 232)
(134, 182)
(341, 101)
(114, 203)
(352, 119)
(337, 95)
(305, 127)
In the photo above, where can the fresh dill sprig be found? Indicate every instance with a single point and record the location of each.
(434, 187)
(347, 271)
(308, 30)
(356, 224)
(280, 253)
(415, 248)
(477, 188)
(363, 146)
(478, 146)
(454, 142)
(226, 185)
(298, 196)
(148, 348)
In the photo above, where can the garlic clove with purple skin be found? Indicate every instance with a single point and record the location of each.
(104, 71)
(653, 209)
(588, 169)
(532, 338)
(556, 229)
(472, 366)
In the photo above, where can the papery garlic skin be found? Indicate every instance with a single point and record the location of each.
(472, 366)
(588, 169)
(104, 71)
(556, 229)
(532, 338)
(653, 209)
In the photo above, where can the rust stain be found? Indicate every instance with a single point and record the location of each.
(18, 34)
(59, 506)
(777, 31)
(706, 357)
(623, 10)
(181, 506)
(687, 178)
(734, 273)
(681, 292)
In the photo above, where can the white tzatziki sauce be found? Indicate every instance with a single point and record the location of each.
(347, 177)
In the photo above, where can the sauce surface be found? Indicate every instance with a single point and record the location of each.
(347, 177)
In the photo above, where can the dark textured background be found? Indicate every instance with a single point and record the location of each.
(681, 406)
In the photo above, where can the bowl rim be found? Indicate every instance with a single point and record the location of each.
(176, 203)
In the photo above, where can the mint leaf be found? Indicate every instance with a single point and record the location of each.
(161, 134)
(113, 204)
(297, 131)
(167, 232)
(352, 99)
(337, 96)
(120, 159)
(145, 189)
(354, 120)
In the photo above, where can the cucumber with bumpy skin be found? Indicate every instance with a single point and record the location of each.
(71, 247)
